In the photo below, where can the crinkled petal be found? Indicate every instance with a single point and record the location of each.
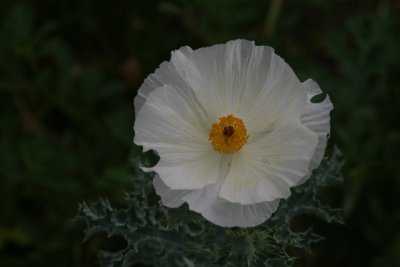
(166, 74)
(273, 93)
(225, 213)
(188, 171)
(317, 119)
(216, 210)
(215, 74)
(167, 124)
(265, 169)
(170, 198)
(245, 80)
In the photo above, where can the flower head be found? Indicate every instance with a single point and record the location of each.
(234, 129)
(228, 135)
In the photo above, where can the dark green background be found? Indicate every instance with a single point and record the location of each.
(69, 71)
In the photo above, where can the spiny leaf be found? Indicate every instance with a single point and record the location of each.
(178, 237)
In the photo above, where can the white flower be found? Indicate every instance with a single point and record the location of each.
(234, 129)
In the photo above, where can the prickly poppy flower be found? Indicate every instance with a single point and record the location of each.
(234, 128)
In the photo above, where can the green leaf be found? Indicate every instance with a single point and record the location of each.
(178, 237)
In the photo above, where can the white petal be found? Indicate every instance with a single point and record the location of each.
(265, 169)
(166, 74)
(272, 92)
(167, 124)
(240, 78)
(216, 75)
(317, 119)
(167, 119)
(170, 198)
(188, 171)
(214, 209)
(225, 213)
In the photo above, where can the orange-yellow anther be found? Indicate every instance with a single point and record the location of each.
(228, 135)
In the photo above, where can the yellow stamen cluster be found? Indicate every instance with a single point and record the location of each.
(228, 135)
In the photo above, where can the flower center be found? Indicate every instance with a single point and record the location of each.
(228, 135)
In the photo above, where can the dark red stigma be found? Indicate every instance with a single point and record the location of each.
(228, 131)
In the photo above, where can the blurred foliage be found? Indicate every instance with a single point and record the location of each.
(178, 237)
(69, 71)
